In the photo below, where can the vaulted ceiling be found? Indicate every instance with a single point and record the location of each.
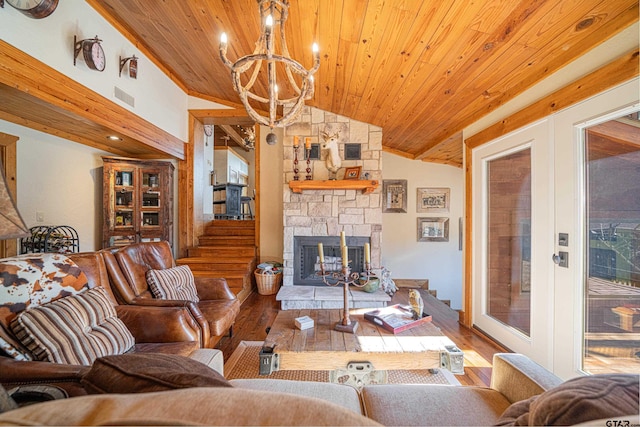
(421, 70)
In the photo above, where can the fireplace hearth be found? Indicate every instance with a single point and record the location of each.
(307, 263)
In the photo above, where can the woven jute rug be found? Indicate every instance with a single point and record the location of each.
(245, 361)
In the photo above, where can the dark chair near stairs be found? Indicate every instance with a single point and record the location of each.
(216, 310)
(245, 203)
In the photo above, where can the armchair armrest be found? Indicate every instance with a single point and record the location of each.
(191, 307)
(517, 377)
(210, 288)
(163, 324)
(14, 373)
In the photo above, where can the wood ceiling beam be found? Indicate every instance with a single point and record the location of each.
(616, 72)
(233, 135)
(87, 115)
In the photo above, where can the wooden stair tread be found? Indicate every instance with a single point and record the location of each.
(232, 223)
(217, 260)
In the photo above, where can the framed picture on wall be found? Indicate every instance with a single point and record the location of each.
(352, 172)
(433, 229)
(433, 200)
(394, 193)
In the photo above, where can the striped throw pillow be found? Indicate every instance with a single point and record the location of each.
(76, 329)
(175, 283)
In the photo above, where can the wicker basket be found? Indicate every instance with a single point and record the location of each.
(268, 283)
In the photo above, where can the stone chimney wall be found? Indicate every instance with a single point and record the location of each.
(327, 212)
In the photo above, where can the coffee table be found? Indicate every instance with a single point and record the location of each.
(371, 347)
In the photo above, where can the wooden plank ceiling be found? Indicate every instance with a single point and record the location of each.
(421, 70)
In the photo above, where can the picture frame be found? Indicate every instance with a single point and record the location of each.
(352, 151)
(352, 172)
(394, 196)
(434, 229)
(314, 152)
(433, 200)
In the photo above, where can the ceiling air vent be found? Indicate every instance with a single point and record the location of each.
(124, 96)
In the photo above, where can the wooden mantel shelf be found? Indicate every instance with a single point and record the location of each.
(367, 186)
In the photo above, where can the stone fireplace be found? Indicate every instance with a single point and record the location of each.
(315, 215)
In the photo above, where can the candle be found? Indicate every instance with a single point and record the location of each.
(307, 143)
(343, 239)
(367, 253)
(345, 256)
(296, 141)
(321, 252)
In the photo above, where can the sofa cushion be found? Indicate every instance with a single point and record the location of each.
(75, 330)
(32, 280)
(340, 394)
(578, 400)
(191, 406)
(147, 372)
(432, 405)
(176, 283)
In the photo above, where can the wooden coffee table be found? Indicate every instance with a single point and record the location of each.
(323, 348)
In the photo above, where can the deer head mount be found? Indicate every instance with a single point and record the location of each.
(330, 144)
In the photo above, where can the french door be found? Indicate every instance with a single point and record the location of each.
(597, 198)
(512, 240)
(556, 237)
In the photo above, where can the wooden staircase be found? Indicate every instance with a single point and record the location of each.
(227, 249)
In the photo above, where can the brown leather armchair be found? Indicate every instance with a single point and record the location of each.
(215, 312)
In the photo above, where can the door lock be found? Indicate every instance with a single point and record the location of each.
(562, 259)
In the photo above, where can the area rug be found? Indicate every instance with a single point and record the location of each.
(245, 361)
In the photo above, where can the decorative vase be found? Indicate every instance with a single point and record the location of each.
(372, 286)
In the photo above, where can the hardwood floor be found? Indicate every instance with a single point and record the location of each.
(259, 311)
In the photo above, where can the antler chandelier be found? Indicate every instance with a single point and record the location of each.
(272, 13)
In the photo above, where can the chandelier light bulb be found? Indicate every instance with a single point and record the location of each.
(275, 88)
(315, 48)
(223, 38)
(269, 21)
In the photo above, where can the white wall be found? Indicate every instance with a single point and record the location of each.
(61, 179)
(440, 262)
(50, 40)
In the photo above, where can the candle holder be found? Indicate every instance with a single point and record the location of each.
(308, 157)
(295, 164)
(346, 278)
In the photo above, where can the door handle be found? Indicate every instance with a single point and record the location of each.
(562, 259)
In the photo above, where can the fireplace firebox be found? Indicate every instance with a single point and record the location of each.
(307, 263)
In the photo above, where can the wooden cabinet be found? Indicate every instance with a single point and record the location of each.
(137, 201)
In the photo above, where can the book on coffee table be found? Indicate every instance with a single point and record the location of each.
(396, 318)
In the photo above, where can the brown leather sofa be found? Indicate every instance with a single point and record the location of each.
(215, 312)
(169, 330)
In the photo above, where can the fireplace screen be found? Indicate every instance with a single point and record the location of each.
(307, 262)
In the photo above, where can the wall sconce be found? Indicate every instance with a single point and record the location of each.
(133, 66)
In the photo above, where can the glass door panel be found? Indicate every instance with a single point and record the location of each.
(509, 240)
(612, 295)
(513, 241)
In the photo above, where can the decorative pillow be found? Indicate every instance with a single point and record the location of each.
(74, 330)
(13, 351)
(31, 280)
(148, 372)
(175, 283)
(578, 400)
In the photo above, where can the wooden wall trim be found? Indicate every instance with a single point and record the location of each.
(612, 74)
(40, 84)
(186, 227)
(8, 160)
(467, 291)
